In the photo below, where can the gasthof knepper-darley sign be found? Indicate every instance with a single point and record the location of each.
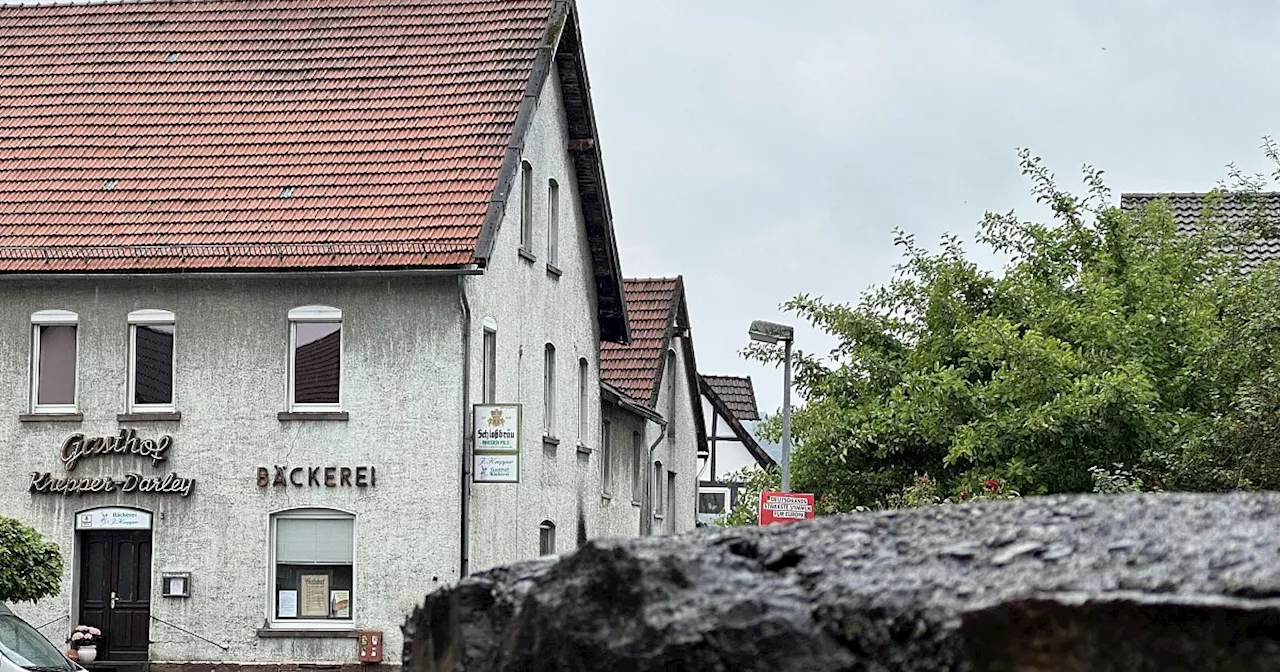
(78, 447)
(496, 443)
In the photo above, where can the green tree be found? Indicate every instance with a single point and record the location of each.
(746, 508)
(30, 565)
(1110, 341)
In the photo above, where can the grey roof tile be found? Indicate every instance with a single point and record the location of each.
(1188, 207)
(738, 395)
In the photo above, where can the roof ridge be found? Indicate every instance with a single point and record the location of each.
(1155, 194)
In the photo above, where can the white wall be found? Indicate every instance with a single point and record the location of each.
(532, 307)
(681, 454)
(402, 350)
(731, 455)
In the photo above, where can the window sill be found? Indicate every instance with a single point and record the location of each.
(307, 633)
(291, 416)
(51, 417)
(550, 441)
(585, 450)
(658, 516)
(606, 495)
(171, 416)
(635, 503)
(527, 255)
(554, 271)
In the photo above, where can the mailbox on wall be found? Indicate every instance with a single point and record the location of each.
(175, 584)
(370, 644)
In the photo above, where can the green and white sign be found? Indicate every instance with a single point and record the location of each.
(496, 443)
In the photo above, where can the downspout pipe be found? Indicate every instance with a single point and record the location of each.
(464, 541)
(648, 482)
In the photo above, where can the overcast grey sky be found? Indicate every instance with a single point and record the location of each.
(763, 148)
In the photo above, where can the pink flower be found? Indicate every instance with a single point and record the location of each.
(77, 636)
(992, 486)
(924, 480)
(94, 631)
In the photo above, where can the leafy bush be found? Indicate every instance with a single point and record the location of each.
(30, 565)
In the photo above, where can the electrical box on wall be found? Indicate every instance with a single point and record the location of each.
(175, 584)
(370, 644)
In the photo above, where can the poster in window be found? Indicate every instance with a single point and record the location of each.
(315, 595)
(287, 606)
(340, 604)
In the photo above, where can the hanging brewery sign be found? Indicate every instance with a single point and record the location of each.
(78, 447)
(496, 443)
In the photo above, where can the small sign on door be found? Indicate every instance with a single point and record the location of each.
(113, 518)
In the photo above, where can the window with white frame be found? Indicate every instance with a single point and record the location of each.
(489, 374)
(671, 396)
(547, 538)
(637, 467)
(606, 457)
(713, 502)
(526, 207)
(315, 359)
(659, 480)
(553, 223)
(151, 361)
(54, 361)
(549, 392)
(313, 567)
(672, 507)
(584, 406)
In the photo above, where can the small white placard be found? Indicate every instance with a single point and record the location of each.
(177, 585)
(497, 469)
(113, 518)
(288, 605)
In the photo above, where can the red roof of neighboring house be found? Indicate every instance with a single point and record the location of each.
(237, 134)
(738, 394)
(634, 369)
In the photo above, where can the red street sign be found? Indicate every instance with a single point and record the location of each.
(785, 507)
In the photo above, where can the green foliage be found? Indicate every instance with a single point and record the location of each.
(925, 491)
(1113, 481)
(30, 565)
(1108, 338)
(745, 511)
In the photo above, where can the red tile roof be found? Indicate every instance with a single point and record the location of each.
(633, 369)
(738, 394)
(237, 134)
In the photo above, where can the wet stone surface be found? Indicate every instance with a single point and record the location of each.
(1147, 582)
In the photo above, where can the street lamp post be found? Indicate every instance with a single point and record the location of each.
(770, 332)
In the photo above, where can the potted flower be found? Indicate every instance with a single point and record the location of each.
(84, 643)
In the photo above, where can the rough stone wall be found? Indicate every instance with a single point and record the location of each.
(1057, 584)
(402, 351)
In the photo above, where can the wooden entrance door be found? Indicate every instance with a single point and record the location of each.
(115, 591)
